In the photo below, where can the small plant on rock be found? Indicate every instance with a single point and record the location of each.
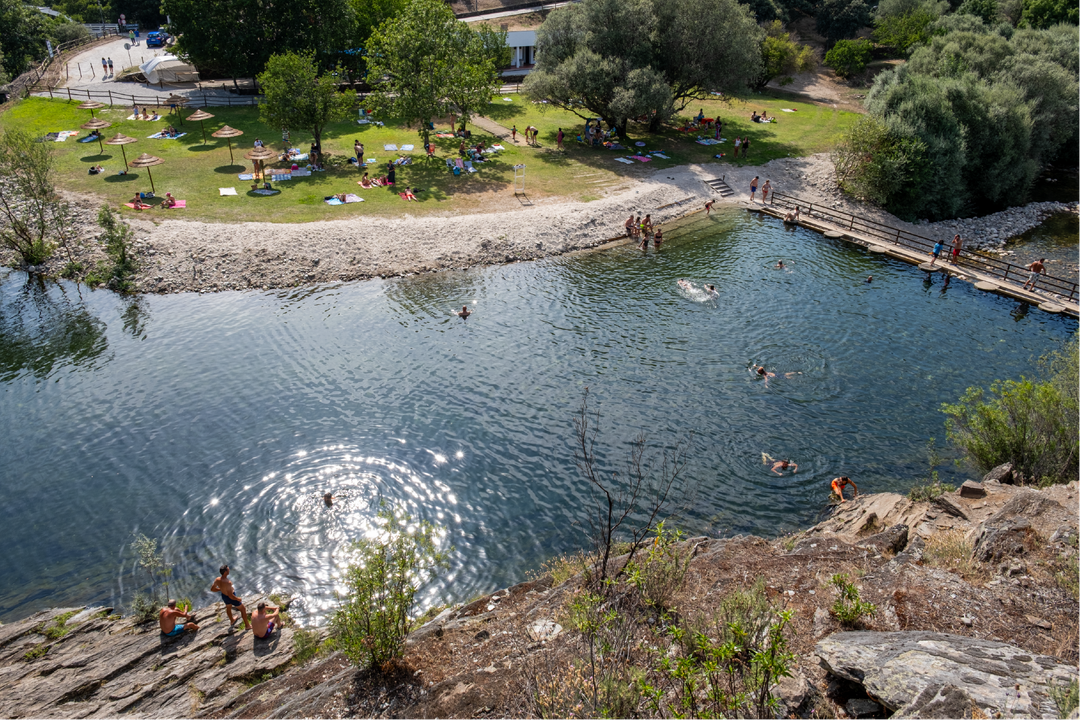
(661, 572)
(118, 274)
(1066, 697)
(848, 608)
(931, 487)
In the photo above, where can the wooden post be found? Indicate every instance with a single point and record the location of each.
(69, 93)
(810, 210)
(50, 94)
(110, 99)
(1006, 273)
(851, 226)
(897, 236)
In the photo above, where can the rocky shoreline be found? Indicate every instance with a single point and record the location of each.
(974, 619)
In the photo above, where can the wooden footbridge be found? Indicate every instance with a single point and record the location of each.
(990, 274)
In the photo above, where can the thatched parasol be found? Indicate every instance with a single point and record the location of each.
(201, 115)
(177, 102)
(97, 124)
(259, 154)
(121, 140)
(91, 106)
(228, 133)
(147, 161)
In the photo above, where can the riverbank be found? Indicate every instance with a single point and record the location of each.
(977, 588)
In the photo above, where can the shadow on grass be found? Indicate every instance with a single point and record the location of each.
(95, 158)
(230, 169)
(258, 195)
(200, 148)
(128, 177)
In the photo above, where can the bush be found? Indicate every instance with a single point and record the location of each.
(848, 608)
(662, 572)
(305, 645)
(931, 487)
(950, 550)
(372, 619)
(904, 32)
(68, 32)
(118, 274)
(848, 57)
(838, 19)
(879, 164)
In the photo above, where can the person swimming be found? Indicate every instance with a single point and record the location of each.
(760, 371)
(780, 465)
(328, 500)
(710, 290)
(779, 265)
(464, 312)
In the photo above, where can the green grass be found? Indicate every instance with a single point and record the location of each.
(193, 171)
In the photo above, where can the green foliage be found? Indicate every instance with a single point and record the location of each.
(236, 38)
(297, 97)
(985, 10)
(782, 56)
(1046, 13)
(117, 274)
(148, 558)
(642, 59)
(67, 32)
(32, 216)
(1066, 697)
(59, 628)
(661, 572)
(930, 487)
(22, 42)
(848, 608)
(907, 30)
(424, 64)
(848, 57)
(880, 164)
(305, 644)
(36, 652)
(839, 19)
(372, 619)
(1032, 424)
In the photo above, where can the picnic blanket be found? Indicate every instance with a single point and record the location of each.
(370, 161)
(282, 177)
(641, 158)
(300, 172)
(351, 198)
(496, 146)
(786, 110)
(407, 148)
(708, 141)
(660, 155)
(507, 99)
(264, 191)
(333, 201)
(227, 191)
(150, 119)
(444, 135)
(625, 161)
(389, 147)
(88, 138)
(142, 206)
(245, 176)
(62, 136)
(180, 205)
(162, 136)
(364, 121)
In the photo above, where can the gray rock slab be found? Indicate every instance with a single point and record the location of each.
(896, 668)
(972, 489)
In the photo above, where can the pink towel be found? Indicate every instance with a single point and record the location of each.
(642, 158)
(179, 204)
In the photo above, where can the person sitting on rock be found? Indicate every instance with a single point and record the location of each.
(264, 620)
(838, 485)
(167, 620)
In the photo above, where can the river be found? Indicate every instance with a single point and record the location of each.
(215, 423)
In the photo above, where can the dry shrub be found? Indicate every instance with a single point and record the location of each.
(949, 550)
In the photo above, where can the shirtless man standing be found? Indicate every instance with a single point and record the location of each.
(1035, 269)
(167, 620)
(263, 622)
(224, 586)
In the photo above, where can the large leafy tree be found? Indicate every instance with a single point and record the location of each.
(782, 56)
(839, 19)
(622, 59)
(425, 64)
(297, 97)
(23, 31)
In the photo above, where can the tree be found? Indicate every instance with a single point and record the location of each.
(906, 26)
(879, 164)
(297, 97)
(424, 64)
(848, 57)
(66, 32)
(985, 10)
(644, 59)
(22, 42)
(1046, 13)
(32, 216)
(782, 56)
(839, 19)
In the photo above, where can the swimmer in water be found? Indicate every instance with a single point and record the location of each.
(328, 500)
(685, 284)
(781, 465)
(780, 265)
(464, 312)
(711, 290)
(760, 371)
(870, 279)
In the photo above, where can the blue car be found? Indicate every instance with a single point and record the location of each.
(156, 38)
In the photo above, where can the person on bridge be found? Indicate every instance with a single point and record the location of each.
(753, 188)
(838, 485)
(936, 252)
(1035, 269)
(957, 246)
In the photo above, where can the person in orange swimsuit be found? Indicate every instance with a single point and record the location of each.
(838, 485)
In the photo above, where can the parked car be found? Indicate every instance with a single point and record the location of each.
(158, 38)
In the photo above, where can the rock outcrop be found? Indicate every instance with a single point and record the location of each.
(928, 674)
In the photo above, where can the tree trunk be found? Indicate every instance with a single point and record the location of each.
(654, 124)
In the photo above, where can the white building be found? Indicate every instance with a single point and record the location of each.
(522, 51)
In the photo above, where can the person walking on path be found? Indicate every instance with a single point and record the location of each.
(513, 133)
(1035, 269)
(110, 66)
(753, 188)
(223, 585)
(745, 146)
(957, 246)
(167, 620)
(559, 139)
(131, 37)
(938, 247)
(104, 68)
(765, 189)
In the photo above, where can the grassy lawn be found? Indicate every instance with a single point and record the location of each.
(193, 171)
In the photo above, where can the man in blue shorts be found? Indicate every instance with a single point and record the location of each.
(935, 252)
(224, 586)
(167, 619)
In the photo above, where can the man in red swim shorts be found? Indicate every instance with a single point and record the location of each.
(838, 485)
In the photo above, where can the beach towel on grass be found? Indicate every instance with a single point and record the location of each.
(144, 206)
(786, 110)
(351, 198)
(625, 161)
(506, 99)
(264, 191)
(444, 135)
(707, 141)
(162, 136)
(390, 147)
(300, 172)
(641, 158)
(333, 201)
(89, 138)
(180, 205)
(133, 117)
(370, 161)
(497, 146)
(227, 191)
(660, 155)
(244, 176)
(407, 148)
(62, 136)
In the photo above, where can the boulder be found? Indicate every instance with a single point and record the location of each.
(902, 669)
(1001, 540)
(972, 489)
(948, 505)
(1002, 474)
(893, 540)
(1028, 512)
(792, 692)
(943, 702)
(861, 707)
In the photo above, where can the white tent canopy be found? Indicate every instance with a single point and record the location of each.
(168, 69)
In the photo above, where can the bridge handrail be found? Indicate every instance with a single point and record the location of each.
(898, 236)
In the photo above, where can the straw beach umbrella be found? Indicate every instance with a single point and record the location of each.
(260, 154)
(147, 161)
(201, 115)
(91, 106)
(228, 133)
(121, 140)
(96, 124)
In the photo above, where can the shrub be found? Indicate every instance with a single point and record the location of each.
(372, 619)
(904, 32)
(118, 274)
(305, 645)
(848, 57)
(879, 163)
(67, 32)
(848, 608)
(662, 572)
(30, 210)
(931, 487)
(950, 550)
(1066, 698)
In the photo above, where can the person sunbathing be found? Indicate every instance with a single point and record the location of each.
(138, 204)
(365, 182)
(145, 115)
(408, 194)
(96, 170)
